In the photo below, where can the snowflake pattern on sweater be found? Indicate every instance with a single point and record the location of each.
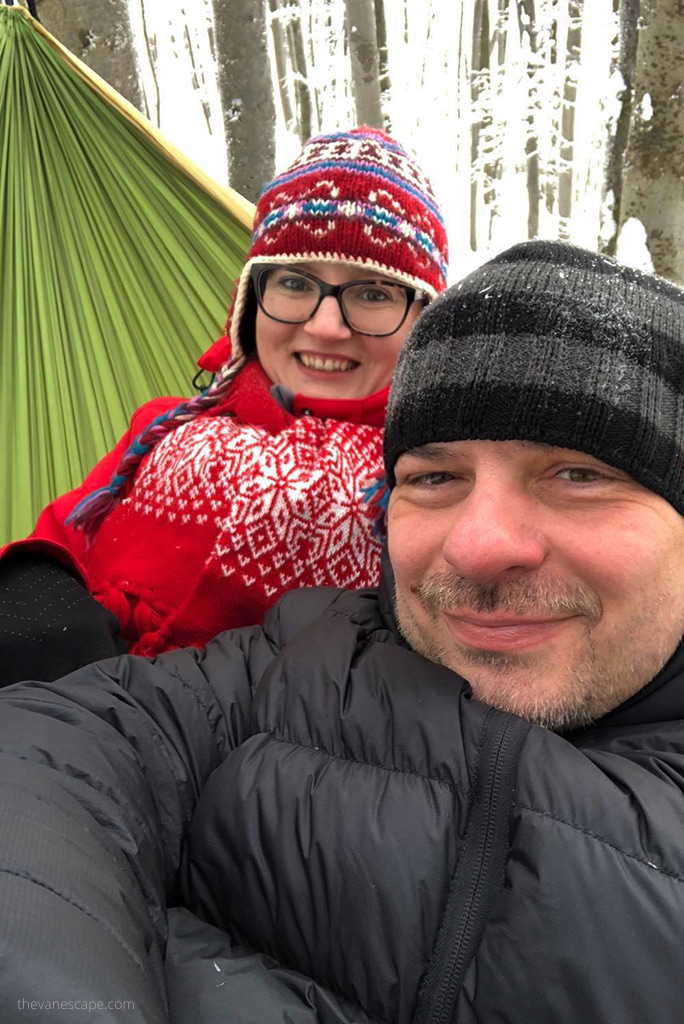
(285, 511)
(224, 517)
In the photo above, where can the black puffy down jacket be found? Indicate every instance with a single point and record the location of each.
(311, 823)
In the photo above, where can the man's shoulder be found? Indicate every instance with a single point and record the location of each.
(300, 608)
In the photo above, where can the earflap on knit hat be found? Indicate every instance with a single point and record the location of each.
(349, 197)
(553, 344)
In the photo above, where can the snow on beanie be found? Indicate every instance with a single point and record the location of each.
(352, 197)
(554, 344)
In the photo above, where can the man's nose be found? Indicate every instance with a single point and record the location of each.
(327, 322)
(494, 534)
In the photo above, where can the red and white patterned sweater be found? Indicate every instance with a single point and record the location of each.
(225, 515)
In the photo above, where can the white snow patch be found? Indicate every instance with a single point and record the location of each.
(607, 222)
(646, 107)
(632, 247)
(178, 77)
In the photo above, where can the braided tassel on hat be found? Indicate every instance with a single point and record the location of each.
(377, 495)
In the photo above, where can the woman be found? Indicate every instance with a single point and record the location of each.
(208, 510)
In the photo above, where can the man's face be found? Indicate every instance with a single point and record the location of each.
(549, 580)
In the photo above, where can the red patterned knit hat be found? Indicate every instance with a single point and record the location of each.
(350, 197)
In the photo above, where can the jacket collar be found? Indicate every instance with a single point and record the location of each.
(250, 401)
(386, 597)
(661, 700)
(258, 392)
(370, 410)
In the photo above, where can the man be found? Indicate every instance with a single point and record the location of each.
(315, 821)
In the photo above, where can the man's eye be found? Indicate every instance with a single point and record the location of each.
(580, 475)
(434, 479)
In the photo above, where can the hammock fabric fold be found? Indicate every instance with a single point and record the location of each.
(117, 261)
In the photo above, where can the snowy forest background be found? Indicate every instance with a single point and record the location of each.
(533, 118)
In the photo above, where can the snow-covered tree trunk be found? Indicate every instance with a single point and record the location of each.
(365, 61)
(295, 42)
(280, 59)
(383, 73)
(244, 78)
(653, 176)
(625, 70)
(567, 122)
(99, 32)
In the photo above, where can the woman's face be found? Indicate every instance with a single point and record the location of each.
(323, 357)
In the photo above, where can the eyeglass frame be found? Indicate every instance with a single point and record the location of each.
(258, 270)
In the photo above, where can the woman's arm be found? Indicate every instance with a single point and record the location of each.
(49, 623)
(51, 536)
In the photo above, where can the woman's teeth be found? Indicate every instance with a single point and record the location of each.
(316, 363)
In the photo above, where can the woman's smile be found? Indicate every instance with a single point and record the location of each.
(317, 361)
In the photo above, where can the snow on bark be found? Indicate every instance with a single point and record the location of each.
(653, 188)
(245, 85)
(175, 49)
(365, 62)
(632, 245)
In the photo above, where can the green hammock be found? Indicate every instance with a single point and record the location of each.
(117, 261)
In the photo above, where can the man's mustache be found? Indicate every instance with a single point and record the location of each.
(532, 596)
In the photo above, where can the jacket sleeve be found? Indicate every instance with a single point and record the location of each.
(99, 776)
(51, 536)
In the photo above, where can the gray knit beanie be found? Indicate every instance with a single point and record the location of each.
(554, 344)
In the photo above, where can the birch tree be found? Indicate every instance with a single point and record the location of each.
(244, 78)
(653, 172)
(99, 32)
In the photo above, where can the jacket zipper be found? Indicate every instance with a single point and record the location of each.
(479, 873)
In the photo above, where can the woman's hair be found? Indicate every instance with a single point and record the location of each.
(247, 326)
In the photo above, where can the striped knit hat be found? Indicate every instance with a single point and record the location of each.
(351, 197)
(554, 344)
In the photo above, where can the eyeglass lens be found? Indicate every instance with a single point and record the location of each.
(373, 307)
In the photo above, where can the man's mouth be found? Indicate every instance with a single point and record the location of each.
(325, 363)
(503, 632)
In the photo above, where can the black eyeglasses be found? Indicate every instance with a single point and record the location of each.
(374, 307)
